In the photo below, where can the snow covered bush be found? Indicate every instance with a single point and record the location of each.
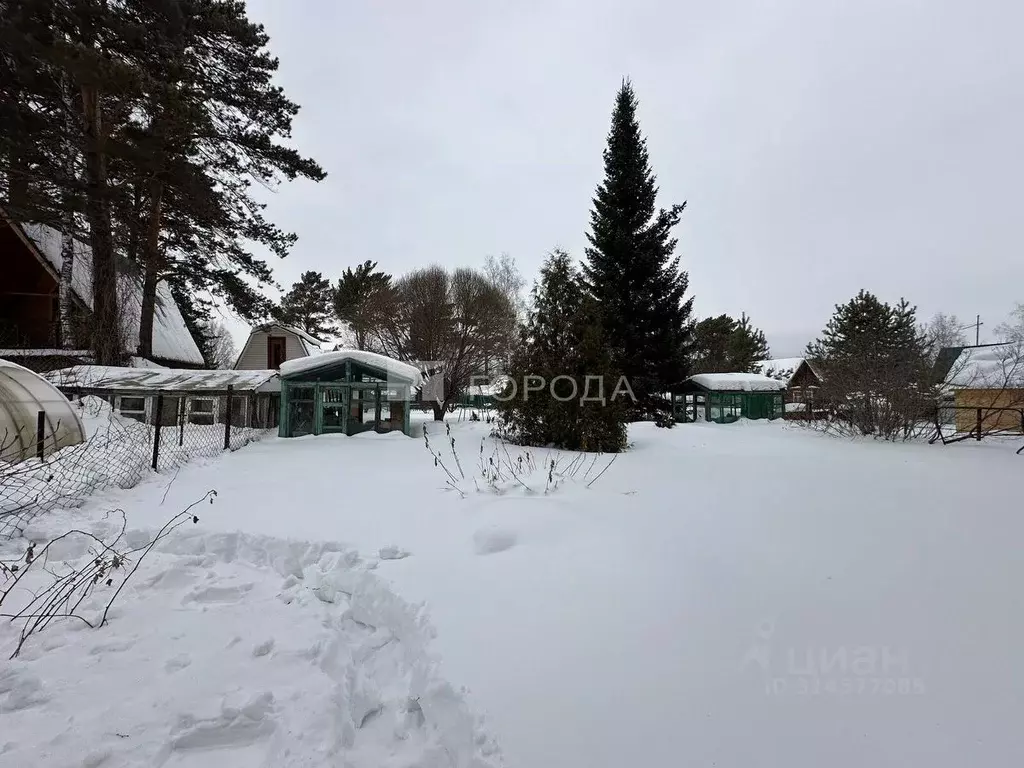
(500, 470)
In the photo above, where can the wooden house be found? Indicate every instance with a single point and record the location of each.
(272, 344)
(987, 387)
(30, 265)
(800, 376)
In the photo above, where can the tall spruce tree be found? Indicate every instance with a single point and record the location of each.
(309, 305)
(630, 269)
(563, 345)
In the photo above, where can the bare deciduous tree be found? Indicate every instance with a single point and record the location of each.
(459, 319)
(222, 351)
(1012, 329)
(944, 331)
(505, 275)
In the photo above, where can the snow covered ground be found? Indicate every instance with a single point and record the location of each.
(740, 595)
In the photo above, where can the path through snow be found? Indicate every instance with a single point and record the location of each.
(238, 650)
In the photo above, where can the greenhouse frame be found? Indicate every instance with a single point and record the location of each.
(36, 419)
(723, 398)
(346, 392)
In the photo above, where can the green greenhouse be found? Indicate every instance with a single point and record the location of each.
(727, 397)
(346, 392)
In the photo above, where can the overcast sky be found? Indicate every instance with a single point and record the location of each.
(821, 146)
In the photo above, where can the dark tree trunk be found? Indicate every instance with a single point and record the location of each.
(106, 319)
(153, 264)
(65, 335)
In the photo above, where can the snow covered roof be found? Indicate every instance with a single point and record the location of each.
(25, 394)
(52, 352)
(395, 369)
(310, 343)
(737, 382)
(171, 337)
(782, 368)
(162, 379)
(996, 366)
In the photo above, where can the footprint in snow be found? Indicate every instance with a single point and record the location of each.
(392, 552)
(488, 541)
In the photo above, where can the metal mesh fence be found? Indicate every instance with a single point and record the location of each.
(125, 444)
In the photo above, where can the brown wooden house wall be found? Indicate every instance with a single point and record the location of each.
(28, 295)
(802, 386)
(966, 420)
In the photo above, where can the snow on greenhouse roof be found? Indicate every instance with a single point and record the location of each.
(395, 369)
(171, 337)
(737, 382)
(25, 394)
(782, 368)
(161, 379)
(996, 366)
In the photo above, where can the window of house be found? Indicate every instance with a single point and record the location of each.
(276, 351)
(133, 408)
(202, 410)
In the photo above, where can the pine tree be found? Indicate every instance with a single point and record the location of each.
(875, 360)
(711, 338)
(209, 125)
(725, 345)
(746, 346)
(62, 59)
(364, 299)
(563, 345)
(175, 118)
(309, 305)
(630, 269)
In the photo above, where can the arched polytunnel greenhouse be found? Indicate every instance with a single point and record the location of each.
(23, 396)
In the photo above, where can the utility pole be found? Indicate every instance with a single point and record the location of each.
(976, 325)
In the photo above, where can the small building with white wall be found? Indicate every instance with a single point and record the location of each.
(272, 344)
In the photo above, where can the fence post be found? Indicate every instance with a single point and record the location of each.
(181, 420)
(158, 419)
(978, 436)
(40, 434)
(227, 419)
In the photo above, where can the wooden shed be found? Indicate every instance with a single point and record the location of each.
(346, 392)
(170, 396)
(987, 383)
(727, 397)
